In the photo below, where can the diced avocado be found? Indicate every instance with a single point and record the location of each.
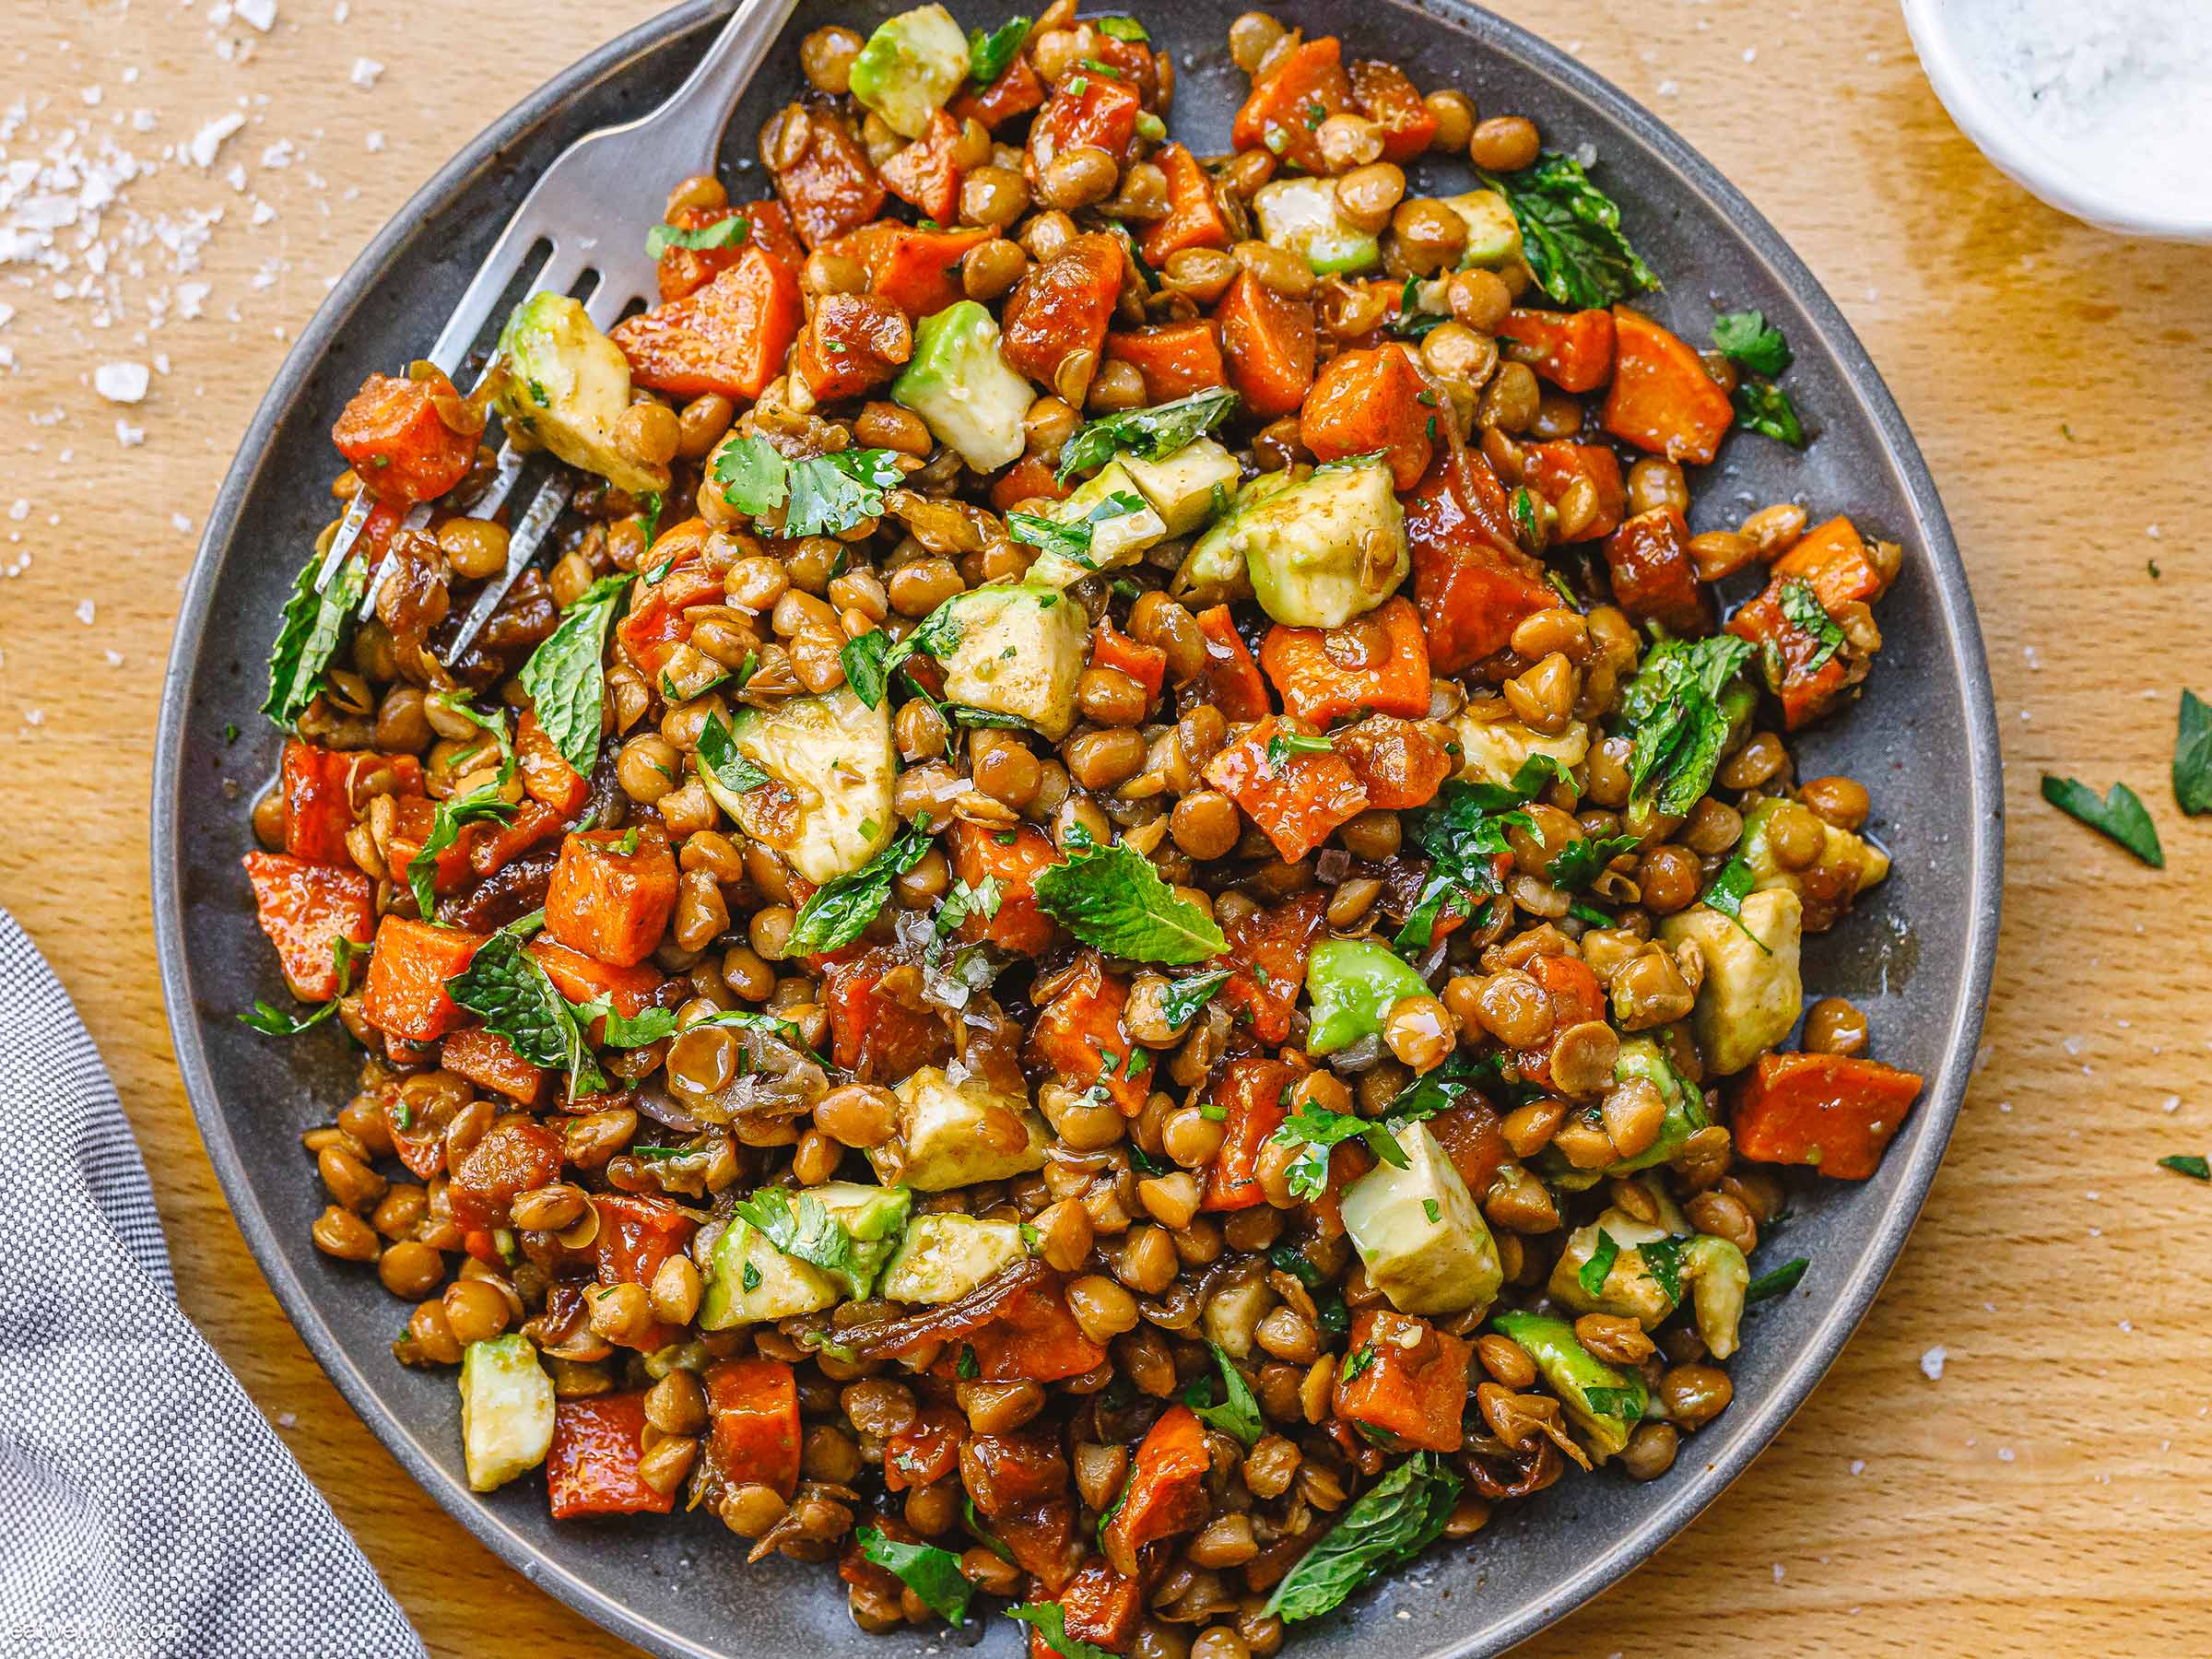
(960, 385)
(954, 1133)
(750, 1281)
(1301, 217)
(1320, 550)
(1848, 864)
(911, 67)
(1234, 1313)
(1630, 1289)
(1353, 983)
(1491, 751)
(1424, 1242)
(1642, 1057)
(1213, 571)
(565, 385)
(1575, 1374)
(1187, 486)
(1493, 233)
(946, 1257)
(1752, 993)
(1118, 533)
(506, 1410)
(1019, 651)
(1718, 1277)
(831, 760)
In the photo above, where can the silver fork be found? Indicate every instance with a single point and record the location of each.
(568, 208)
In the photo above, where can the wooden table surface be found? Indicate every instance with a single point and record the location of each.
(2046, 1495)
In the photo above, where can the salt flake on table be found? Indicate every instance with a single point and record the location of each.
(1931, 1363)
(374, 142)
(121, 382)
(258, 14)
(365, 71)
(129, 436)
(209, 138)
(83, 612)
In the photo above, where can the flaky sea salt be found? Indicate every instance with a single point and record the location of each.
(121, 382)
(256, 14)
(1931, 1363)
(208, 140)
(365, 71)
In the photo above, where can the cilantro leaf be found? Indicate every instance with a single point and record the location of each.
(1570, 234)
(722, 233)
(2120, 816)
(931, 1574)
(1051, 1621)
(621, 1031)
(1239, 1412)
(1284, 745)
(718, 753)
(1114, 899)
(1802, 606)
(1149, 434)
(1071, 538)
(1673, 715)
(1580, 862)
(990, 55)
(1393, 1521)
(504, 984)
(1764, 407)
(566, 677)
(1784, 1280)
(801, 1225)
(1748, 339)
(840, 909)
(752, 474)
(2192, 757)
(830, 494)
(863, 658)
(314, 626)
(1593, 1274)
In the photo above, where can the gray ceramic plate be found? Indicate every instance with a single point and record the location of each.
(1917, 957)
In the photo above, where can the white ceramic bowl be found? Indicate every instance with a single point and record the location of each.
(1999, 133)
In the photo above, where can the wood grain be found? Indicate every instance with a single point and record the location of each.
(2047, 1496)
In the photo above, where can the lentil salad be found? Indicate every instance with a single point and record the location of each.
(889, 1133)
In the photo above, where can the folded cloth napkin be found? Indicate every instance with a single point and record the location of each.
(146, 1507)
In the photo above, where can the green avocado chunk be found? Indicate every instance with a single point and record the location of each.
(506, 1410)
(1353, 983)
(1320, 549)
(1603, 1403)
(911, 67)
(959, 384)
(564, 385)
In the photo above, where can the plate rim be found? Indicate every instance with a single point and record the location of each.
(1981, 889)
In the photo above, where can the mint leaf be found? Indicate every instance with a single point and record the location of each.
(2192, 757)
(1802, 606)
(1593, 1274)
(718, 753)
(1111, 898)
(1393, 1521)
(1732, 883)
(1239, 1412)
(990, 55)
(1570, 234)
(840, 910)
(504, 984)
(314, 626)
(2120, 816)
(1748, 339)
(1580, 862)
(722, 233)
(1182, 1000)
(1627, 1404)
(1784, 1280)
(1149, 434)
(864, 660)
(1672, 712)
(1661, 1258)
(479, 804)
(273, 1021)
(931, 1574)
(566, 676)
(1051, 1621)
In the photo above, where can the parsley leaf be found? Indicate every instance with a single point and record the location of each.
(1580, 862)
(931, 1574)
(2120, 816)
(1284, 745)
(1748, 339)
(1393, 1521)
(620, 1031)
(1802, 605)
(1184, 999)
(801, 1225)
(1149, 434)
(566, 677)
(722, 233)
(1570, 234)
(1316, 1131)
(2192, 757)
(718, 753)
(1239, 1412)
(1593, 1274)
(314, 626)
(1764, 407)
(1673, 714)
(990, 55)
(1051, 1621)
(504, 984)
(1784, 1280)
(1114, 899)
(840, 909)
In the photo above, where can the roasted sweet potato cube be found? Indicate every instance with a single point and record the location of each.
(608, 902)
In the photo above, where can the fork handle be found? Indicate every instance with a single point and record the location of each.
(697, 113)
